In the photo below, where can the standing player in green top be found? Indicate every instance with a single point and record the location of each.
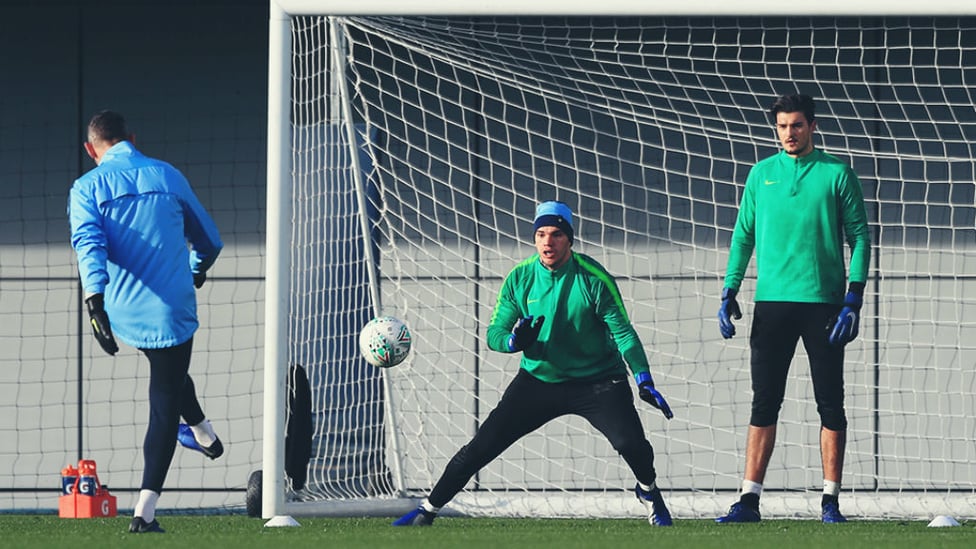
(798, 209)
(564, 313)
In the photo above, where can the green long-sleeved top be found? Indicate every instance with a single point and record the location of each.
(796, 214)
(587, 333)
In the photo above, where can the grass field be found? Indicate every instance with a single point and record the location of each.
(240, 532)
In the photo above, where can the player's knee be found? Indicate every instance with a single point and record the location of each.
(460, 459)
(764, 416)
(766, 405)
(833, 418)
(761, 420)
(633, 447)
(469, 459)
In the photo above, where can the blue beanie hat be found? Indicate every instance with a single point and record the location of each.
(554, 214)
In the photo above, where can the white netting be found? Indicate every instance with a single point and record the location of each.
(647, 127)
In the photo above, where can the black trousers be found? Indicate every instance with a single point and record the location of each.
(776, 329)
(171, 395)
(528, 403)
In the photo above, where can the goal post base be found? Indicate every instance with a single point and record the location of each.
(279, 521)
(702, 505)
(366, 507)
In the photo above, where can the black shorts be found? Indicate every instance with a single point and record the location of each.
(776, 329)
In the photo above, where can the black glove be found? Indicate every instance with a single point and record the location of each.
(100, 324)
(525, 333)
(199, 279)
(650, 395)
(727, 311)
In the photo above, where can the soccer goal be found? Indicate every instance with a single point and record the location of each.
(410, 143)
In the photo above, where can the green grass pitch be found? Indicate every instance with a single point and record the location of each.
(241, 532)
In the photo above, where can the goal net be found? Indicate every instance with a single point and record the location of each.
(408, 153)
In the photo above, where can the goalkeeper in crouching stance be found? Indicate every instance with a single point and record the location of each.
(564, 313)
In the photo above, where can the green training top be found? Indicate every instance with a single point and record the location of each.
(586, 334)
(796, 213)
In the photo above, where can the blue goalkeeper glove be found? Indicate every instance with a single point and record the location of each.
(727, 311)
(650, 395)
(844, 327)
(101, 328)
(525, 333)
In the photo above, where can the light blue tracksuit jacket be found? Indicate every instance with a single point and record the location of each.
(131, 219)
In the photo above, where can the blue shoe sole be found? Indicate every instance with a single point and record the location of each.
(739, 513)
(416, 517)
(188, 441)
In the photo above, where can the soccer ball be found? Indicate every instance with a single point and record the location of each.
(384, 341)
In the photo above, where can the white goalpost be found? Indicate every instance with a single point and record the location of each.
(409, 144)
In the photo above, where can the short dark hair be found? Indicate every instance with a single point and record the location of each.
(794, 102)
(107, 126)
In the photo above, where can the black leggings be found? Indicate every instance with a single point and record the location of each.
(528, 404)
(776, 328)
(171, 395)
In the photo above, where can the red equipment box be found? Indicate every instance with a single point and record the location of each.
(102, 504)
(83, 495)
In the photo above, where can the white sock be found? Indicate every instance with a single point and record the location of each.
(831, 488)
(750, 487)
(204, 433)
(146, 506)
(426, 506)
(647, 487)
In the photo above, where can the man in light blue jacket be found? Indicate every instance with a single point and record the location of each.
(131, 219)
